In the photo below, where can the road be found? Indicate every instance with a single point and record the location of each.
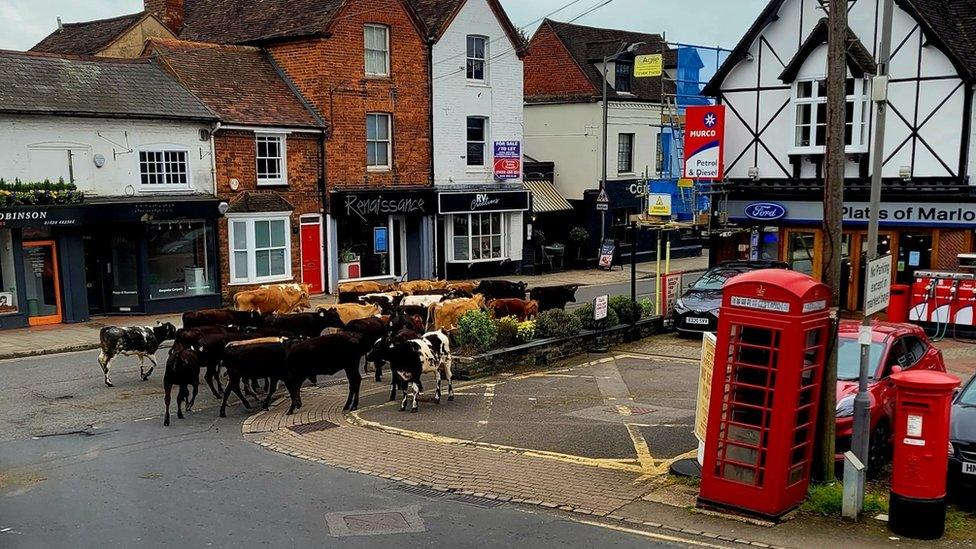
(82, 465)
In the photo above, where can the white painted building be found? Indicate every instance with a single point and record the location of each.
(773, 90)
(477, 106)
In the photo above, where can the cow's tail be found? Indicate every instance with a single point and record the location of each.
(431, 311)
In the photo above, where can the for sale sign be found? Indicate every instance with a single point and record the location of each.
(508, 159)
(704, 135)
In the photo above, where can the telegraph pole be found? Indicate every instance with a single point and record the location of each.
(833, 205)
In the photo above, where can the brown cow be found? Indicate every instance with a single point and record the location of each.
(462, 288)
(366, 286)
(519, 308)
(421, 285)
(279, 298)
(352, 311)
(445, 315)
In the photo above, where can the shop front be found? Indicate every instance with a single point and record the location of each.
(380, 235)
(107, 256)
(918, 235)
(483, 232)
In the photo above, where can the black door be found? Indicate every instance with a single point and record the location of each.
(95, 271)
(914, 253)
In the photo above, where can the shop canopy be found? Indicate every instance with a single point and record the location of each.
(545, 197)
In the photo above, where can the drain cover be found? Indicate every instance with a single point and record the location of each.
(312, 427)
(418, 490)
(371, 523)
(484, 503)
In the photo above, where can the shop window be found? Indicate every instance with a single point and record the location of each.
(477, 139)
(477, 58)
(260, 249)
(271, 160)
(378, 141)
(478, 237)
(625, 153)
(360, 255)
(801, 252)
(377, 41)
(181, 259)
(8, 279)
(163, 169)
(810, 105)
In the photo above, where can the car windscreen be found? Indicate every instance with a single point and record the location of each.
(716, 278)
(849, 359)
(968, 396)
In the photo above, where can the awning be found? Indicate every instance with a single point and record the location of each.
(545, 197)
(255, 202)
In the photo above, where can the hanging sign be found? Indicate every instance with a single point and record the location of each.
(704, 134)
(648, 66)
(659, 204)
(508, 159)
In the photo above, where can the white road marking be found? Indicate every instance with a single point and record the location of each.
(489, 400)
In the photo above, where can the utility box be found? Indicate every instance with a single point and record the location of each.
(923, 399)
(769, 360)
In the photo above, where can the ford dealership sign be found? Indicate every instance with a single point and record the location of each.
(765, 211)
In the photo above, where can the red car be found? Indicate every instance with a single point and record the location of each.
(894, 347)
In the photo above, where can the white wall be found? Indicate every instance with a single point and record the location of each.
(34, 148)
(499, 99)
(569, 135)
(940, 97)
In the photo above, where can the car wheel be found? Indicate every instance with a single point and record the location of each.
(880, 451)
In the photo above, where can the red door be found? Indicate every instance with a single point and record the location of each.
(312, 255)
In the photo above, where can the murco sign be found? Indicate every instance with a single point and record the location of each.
(704, 134)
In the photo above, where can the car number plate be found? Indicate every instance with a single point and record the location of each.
(697, 321)
(969, 468)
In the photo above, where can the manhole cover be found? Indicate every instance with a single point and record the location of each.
(639, 410)
(371, 523)
(312, 427)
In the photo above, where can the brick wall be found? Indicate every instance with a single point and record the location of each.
(550, 70)
(236, 160)
(330, 72)
(950, 245)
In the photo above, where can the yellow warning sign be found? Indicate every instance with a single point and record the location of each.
(659, 204)
(686, 183)
(705, 384)
(648, 66)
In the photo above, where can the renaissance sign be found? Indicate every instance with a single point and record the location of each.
(890, 214)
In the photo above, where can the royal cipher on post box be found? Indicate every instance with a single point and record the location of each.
(769, 359)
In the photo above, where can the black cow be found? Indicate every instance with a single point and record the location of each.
(323, 355)
(211, 344)
(183, 370)
(554, 297)
(371, 331)
(501, 289)
(430, 353)
(142, 341)
(254, 359)
(223, 317)
(388, 301)
(304, 324)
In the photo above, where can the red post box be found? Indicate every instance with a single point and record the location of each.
(769, 360)
(923, 399)
(898, 306)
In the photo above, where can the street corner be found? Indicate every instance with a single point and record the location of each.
(626, 412)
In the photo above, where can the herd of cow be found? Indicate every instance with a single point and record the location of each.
(267, 337)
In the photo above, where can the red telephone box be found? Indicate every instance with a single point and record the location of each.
(918, 481)
(769, 360)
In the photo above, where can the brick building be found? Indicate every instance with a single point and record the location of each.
(268, 163)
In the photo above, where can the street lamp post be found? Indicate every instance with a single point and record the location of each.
(603, 180)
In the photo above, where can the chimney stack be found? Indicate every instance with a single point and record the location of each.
(170, 12)
(60, 25)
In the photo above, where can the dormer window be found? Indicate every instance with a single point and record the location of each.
(622, 76)
(810, 106)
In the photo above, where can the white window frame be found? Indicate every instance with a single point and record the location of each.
(388, 141)
(470, 58)
(486, 130)
(633, 140)
(250, 219)
(386, 50)
(282, 178)
(502, 232)
(165, 149)
(860, 100)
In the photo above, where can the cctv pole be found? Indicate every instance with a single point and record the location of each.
(833, 205)
(860, 443)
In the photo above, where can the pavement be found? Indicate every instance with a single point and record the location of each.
(61, 338)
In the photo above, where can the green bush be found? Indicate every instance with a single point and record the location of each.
(506, 330)
(476, 330)
(627, 311)
(557, 323)
(526, 331)
(585, 315)
(40, 193)
(647, 307)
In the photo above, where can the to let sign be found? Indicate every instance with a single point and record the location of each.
(704, 135)
(878, 291)
(508, 160)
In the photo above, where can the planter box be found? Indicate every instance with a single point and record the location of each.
(541, 352)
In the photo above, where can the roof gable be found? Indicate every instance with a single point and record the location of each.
(437, 16)
(859, 59)
(89, 37)
(241, 84)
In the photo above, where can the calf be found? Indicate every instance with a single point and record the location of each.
(501, 289)
(412, 358)
(554, 297)
(519, 308)
(253, 359)
(222, 317)
(183, 370)
(142, 341)
(350, 311)
(323, 355)
(305, 324)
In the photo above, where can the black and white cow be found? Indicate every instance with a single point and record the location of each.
(141, 341)
(430, 353)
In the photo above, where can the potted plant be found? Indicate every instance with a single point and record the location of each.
(349, 265)
(579, 236)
